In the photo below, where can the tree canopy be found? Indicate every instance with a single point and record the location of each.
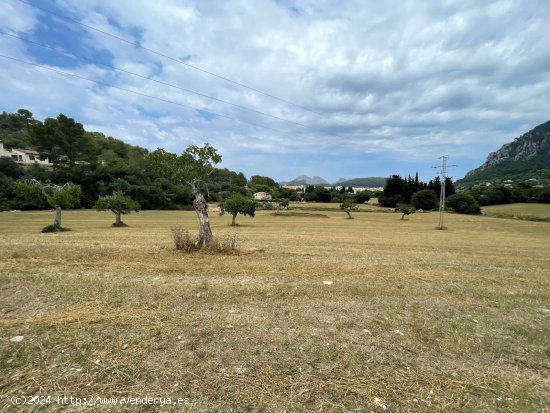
(101, 165)
(425, 199)
(405, 209)
(193, 167)
(463, 204)
(59, 139)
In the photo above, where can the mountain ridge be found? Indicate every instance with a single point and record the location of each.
(307, 180)
(527, 156)
(374, 182)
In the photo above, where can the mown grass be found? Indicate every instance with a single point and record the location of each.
(335, 206)
(415, 319)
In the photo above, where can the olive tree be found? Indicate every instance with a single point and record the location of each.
(57, 196)
(119, 205)
(192, 168)
(239, 204)
(348, 205)
(405, 209)
(284, 203)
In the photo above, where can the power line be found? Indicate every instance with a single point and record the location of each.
(163, 83)
(139, 93)
(178, 60)
(135, 92)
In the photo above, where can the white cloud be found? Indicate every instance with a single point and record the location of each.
(409, 79)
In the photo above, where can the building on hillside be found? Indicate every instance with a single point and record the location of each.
(262, 196)
(23, 156)
(367, 188)
(300, 188)
(356, 189)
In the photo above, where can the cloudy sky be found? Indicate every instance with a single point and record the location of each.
(317, 87)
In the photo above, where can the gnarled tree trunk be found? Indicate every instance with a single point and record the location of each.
(201, 208)
(57, 219)
(118, 219)
(233, 220)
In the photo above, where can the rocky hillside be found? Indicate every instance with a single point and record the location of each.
(525, 157)
(534, 142)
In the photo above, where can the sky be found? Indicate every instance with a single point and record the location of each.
(338, 89)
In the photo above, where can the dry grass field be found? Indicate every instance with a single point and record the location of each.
(317, 313)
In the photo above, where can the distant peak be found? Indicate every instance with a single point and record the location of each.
(307, 180)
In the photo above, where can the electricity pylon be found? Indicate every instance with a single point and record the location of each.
(443, 173)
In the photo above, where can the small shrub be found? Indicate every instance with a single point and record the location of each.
(187, 242)
(283, 203)
(184, 240)
(266, 205)
(227, 244)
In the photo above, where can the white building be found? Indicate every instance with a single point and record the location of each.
(262, 196)
(300, 188)
(23, 156)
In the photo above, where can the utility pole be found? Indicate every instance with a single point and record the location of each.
(443, 173)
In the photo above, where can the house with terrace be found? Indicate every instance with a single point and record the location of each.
(24, 156)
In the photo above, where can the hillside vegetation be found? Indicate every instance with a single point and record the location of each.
(368, 182)
(530, 212)
(101, 165)
(537, 167)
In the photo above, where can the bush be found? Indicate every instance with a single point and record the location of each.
(363, 196)
(391, 201)
(425, 199)
(463, 204)
(266, 205)
(187, 242)
(284, 203)
(184, 240)
(227, 244)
